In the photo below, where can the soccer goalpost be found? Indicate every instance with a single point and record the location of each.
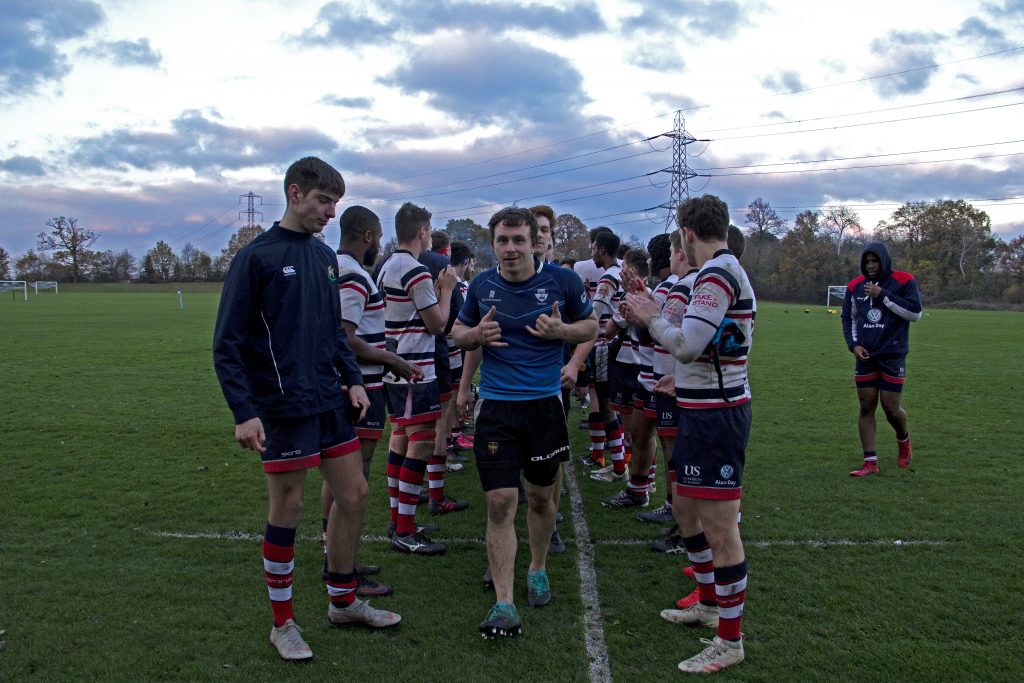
(13, 286)
(836, 291)
(46, 284)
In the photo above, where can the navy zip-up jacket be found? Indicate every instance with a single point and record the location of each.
(881, 324)
(278, 346)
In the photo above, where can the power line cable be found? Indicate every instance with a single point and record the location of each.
(865, 156)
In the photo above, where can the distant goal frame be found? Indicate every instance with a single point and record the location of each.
(13, 286)
(46, 284)
(838, 291)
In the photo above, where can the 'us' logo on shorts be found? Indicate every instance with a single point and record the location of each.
(492, 447)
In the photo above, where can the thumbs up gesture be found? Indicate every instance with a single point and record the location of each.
(489, 331)
(548, 326)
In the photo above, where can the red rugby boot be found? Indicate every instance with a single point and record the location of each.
(865, 469)
(905, 454)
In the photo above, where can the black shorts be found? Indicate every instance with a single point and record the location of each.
(710, 452)
(372, 425)
(886, 374)
(413, 403)
(298, 443)
(513, 436)
(622, 388)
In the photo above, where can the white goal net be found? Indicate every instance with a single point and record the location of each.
(835, 292)
(46, 284)
(14, 286)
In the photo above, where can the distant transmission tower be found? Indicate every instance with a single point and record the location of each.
(250, 213)
(681, 173)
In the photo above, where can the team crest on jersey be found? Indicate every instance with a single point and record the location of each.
(330, 274)
(288, 271)
(874, 315)
(726, 472)
(492, 447)
(541, 294)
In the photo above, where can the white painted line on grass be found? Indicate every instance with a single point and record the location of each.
(798, 542)
(593, 618)
(776, 543)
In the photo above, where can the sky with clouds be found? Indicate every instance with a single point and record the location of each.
(152, 120)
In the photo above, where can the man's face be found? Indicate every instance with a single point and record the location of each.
(544, 242)
(680, 264)
(513, 249)
(689, 240)
(371, 251)
(872, 266)
(314, 210)
(597, 254)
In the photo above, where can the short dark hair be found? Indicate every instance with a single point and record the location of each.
(311, 173)
(461, 253)
(707, 216)
(356, 220)
(513, 217)
(594, 232)
(439, 239)
(736, 241)
(660, 249)
(567, 261)
(608, 241)
(408, 221)
(636, 258)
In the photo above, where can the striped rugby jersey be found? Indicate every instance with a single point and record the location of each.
(721, 289)
(590, 273)
(408, 289)
(363, 306)
(607, 298)
(647, 350)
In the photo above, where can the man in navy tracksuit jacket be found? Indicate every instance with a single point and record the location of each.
(877, 311)
(284, 365)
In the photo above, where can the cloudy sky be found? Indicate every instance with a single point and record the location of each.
(149, 120)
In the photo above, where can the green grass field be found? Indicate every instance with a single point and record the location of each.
(129, 538)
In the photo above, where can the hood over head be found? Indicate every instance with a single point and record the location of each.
(884, 260)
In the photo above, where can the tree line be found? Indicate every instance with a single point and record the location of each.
(947, 245)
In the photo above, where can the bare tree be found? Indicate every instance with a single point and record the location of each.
(764, 220)
(5, 264)
(68, 242)
(841, 223)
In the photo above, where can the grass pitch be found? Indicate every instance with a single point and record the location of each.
(129, 542)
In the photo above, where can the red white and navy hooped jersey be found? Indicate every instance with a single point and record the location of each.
(721, 289)
(454, 352)
(408, 289)
(363, 306)
(672, 311)
(607, 298)
(590, 273)
(648, 352)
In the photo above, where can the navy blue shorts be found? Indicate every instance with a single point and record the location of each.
(519, 436)
(456, 375)
(413, 403)
(443, 370)
(886, 374)
(372, 426)
(298, 443)
(623, 386)
(667, 415)
(710, 451)
(643, 401)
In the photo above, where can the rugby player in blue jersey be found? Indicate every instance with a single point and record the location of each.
(520, 313)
